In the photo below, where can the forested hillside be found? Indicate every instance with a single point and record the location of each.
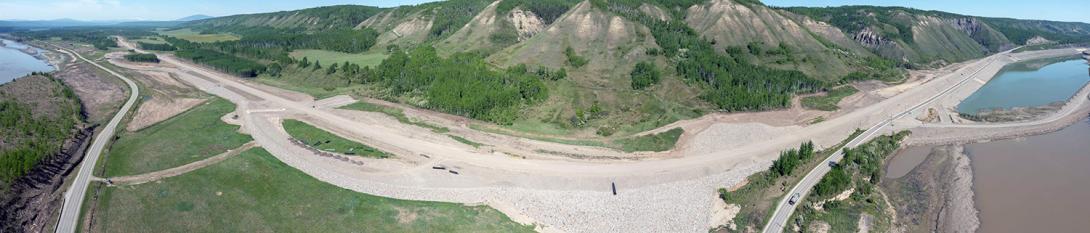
(37, 116)
(929, 38)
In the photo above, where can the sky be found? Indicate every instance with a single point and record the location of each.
(1056, 10)
(1060, 10)
(162, 9)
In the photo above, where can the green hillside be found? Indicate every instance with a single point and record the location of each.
(320, 18)
(567, 68)
(930, 38)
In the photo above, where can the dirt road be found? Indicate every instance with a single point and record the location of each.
(156, 175)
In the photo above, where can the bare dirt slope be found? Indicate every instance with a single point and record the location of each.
(165, 97)
(99, 94)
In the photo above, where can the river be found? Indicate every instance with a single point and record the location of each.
(1033, 184)
(15, 63)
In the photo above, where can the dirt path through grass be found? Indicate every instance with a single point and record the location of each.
(175, 171)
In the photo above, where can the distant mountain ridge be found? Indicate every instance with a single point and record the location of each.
(194, 17)
(89, 23)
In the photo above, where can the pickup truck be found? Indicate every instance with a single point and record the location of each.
(794, 199)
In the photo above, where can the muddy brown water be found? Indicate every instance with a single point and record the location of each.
(905, 160)
(1034, 184)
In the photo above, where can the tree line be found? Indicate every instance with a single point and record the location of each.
(223, 62)
(142, 57)
(159, 47)
(99, 37)
(462, 84)
(863, 161)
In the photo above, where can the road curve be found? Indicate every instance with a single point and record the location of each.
(73, 198)
(784, 210)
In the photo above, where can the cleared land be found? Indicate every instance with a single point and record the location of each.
(395, 113)
(828, 101)
(255, 192)
(190, 35)
(330, 57)
(322, 140)
(188, 137)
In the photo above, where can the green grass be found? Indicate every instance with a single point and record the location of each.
(188, 137)
(652, 142)
(466, 141)
(255, 192)
(194, 36)
(828, 101)
(395, 113)
(322, 140)
(308, 83)
(330, 57)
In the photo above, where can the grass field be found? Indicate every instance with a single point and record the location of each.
(828, 101)
(255, 192)
(652, 142)
(330, 57)
(190, 136)
(312, 82)
(190, 35)
(395, 113)
(322, 140)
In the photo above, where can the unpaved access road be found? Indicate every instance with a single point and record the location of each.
(672, 194)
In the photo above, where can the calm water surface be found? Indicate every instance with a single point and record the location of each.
(1035, 184)
(14, 63)
(1021, 88)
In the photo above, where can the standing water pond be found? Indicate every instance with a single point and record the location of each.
(15, 63)
(1029, 84)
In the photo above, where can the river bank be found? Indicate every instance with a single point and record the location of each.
(18, 60)
(953, 129)
(936, 195)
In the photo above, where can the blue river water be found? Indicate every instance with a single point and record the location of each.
(14, 63)
(1029, 88)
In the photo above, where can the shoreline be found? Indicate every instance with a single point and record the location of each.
(33, 51)
(1074, 109)
(963, 216)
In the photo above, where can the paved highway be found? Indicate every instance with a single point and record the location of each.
(73, 199)
(784, 209)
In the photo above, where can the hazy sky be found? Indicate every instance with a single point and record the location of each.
(1058, 10)
(1063, 10)
(162, 9)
